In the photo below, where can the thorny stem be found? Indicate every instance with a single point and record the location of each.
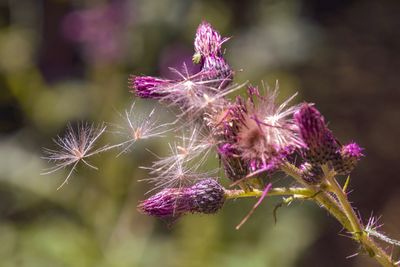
(338, 206)
(335, 188)
(320, 196)
(357, 228)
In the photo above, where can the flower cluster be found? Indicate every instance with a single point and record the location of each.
(253, 136)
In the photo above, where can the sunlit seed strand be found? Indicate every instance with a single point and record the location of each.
(68, 176)
(90, 139)
(58, 166)
(91, 143)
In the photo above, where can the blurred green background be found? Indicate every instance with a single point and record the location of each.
(64, 61)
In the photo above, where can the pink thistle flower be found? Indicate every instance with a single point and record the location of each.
(207, 197)
(208, 46)
(147, 86)
(320, 144)
(266, 133)
(224, 120)
(350, 154)
(208, 41)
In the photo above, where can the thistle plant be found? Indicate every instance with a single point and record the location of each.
(253, 137)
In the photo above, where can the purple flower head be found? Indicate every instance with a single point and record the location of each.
(209, 54)
(147, 86)
(266, 133)
(320, 144)
(206, 196)
(256, 135)
(352, 150)
(350, 154)
(208, 41)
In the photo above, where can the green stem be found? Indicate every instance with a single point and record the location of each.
(298, 192)
(321, 197)
(332, 197)
(357, 229)
(335, 188)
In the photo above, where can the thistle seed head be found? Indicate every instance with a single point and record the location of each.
(266, 132)
(138, 126)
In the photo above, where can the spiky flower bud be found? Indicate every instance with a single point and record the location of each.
(320, 144)
(208, 41)
(350, 154)
(206, 196)
(147, 86)
(208, 46)
(311, 174)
